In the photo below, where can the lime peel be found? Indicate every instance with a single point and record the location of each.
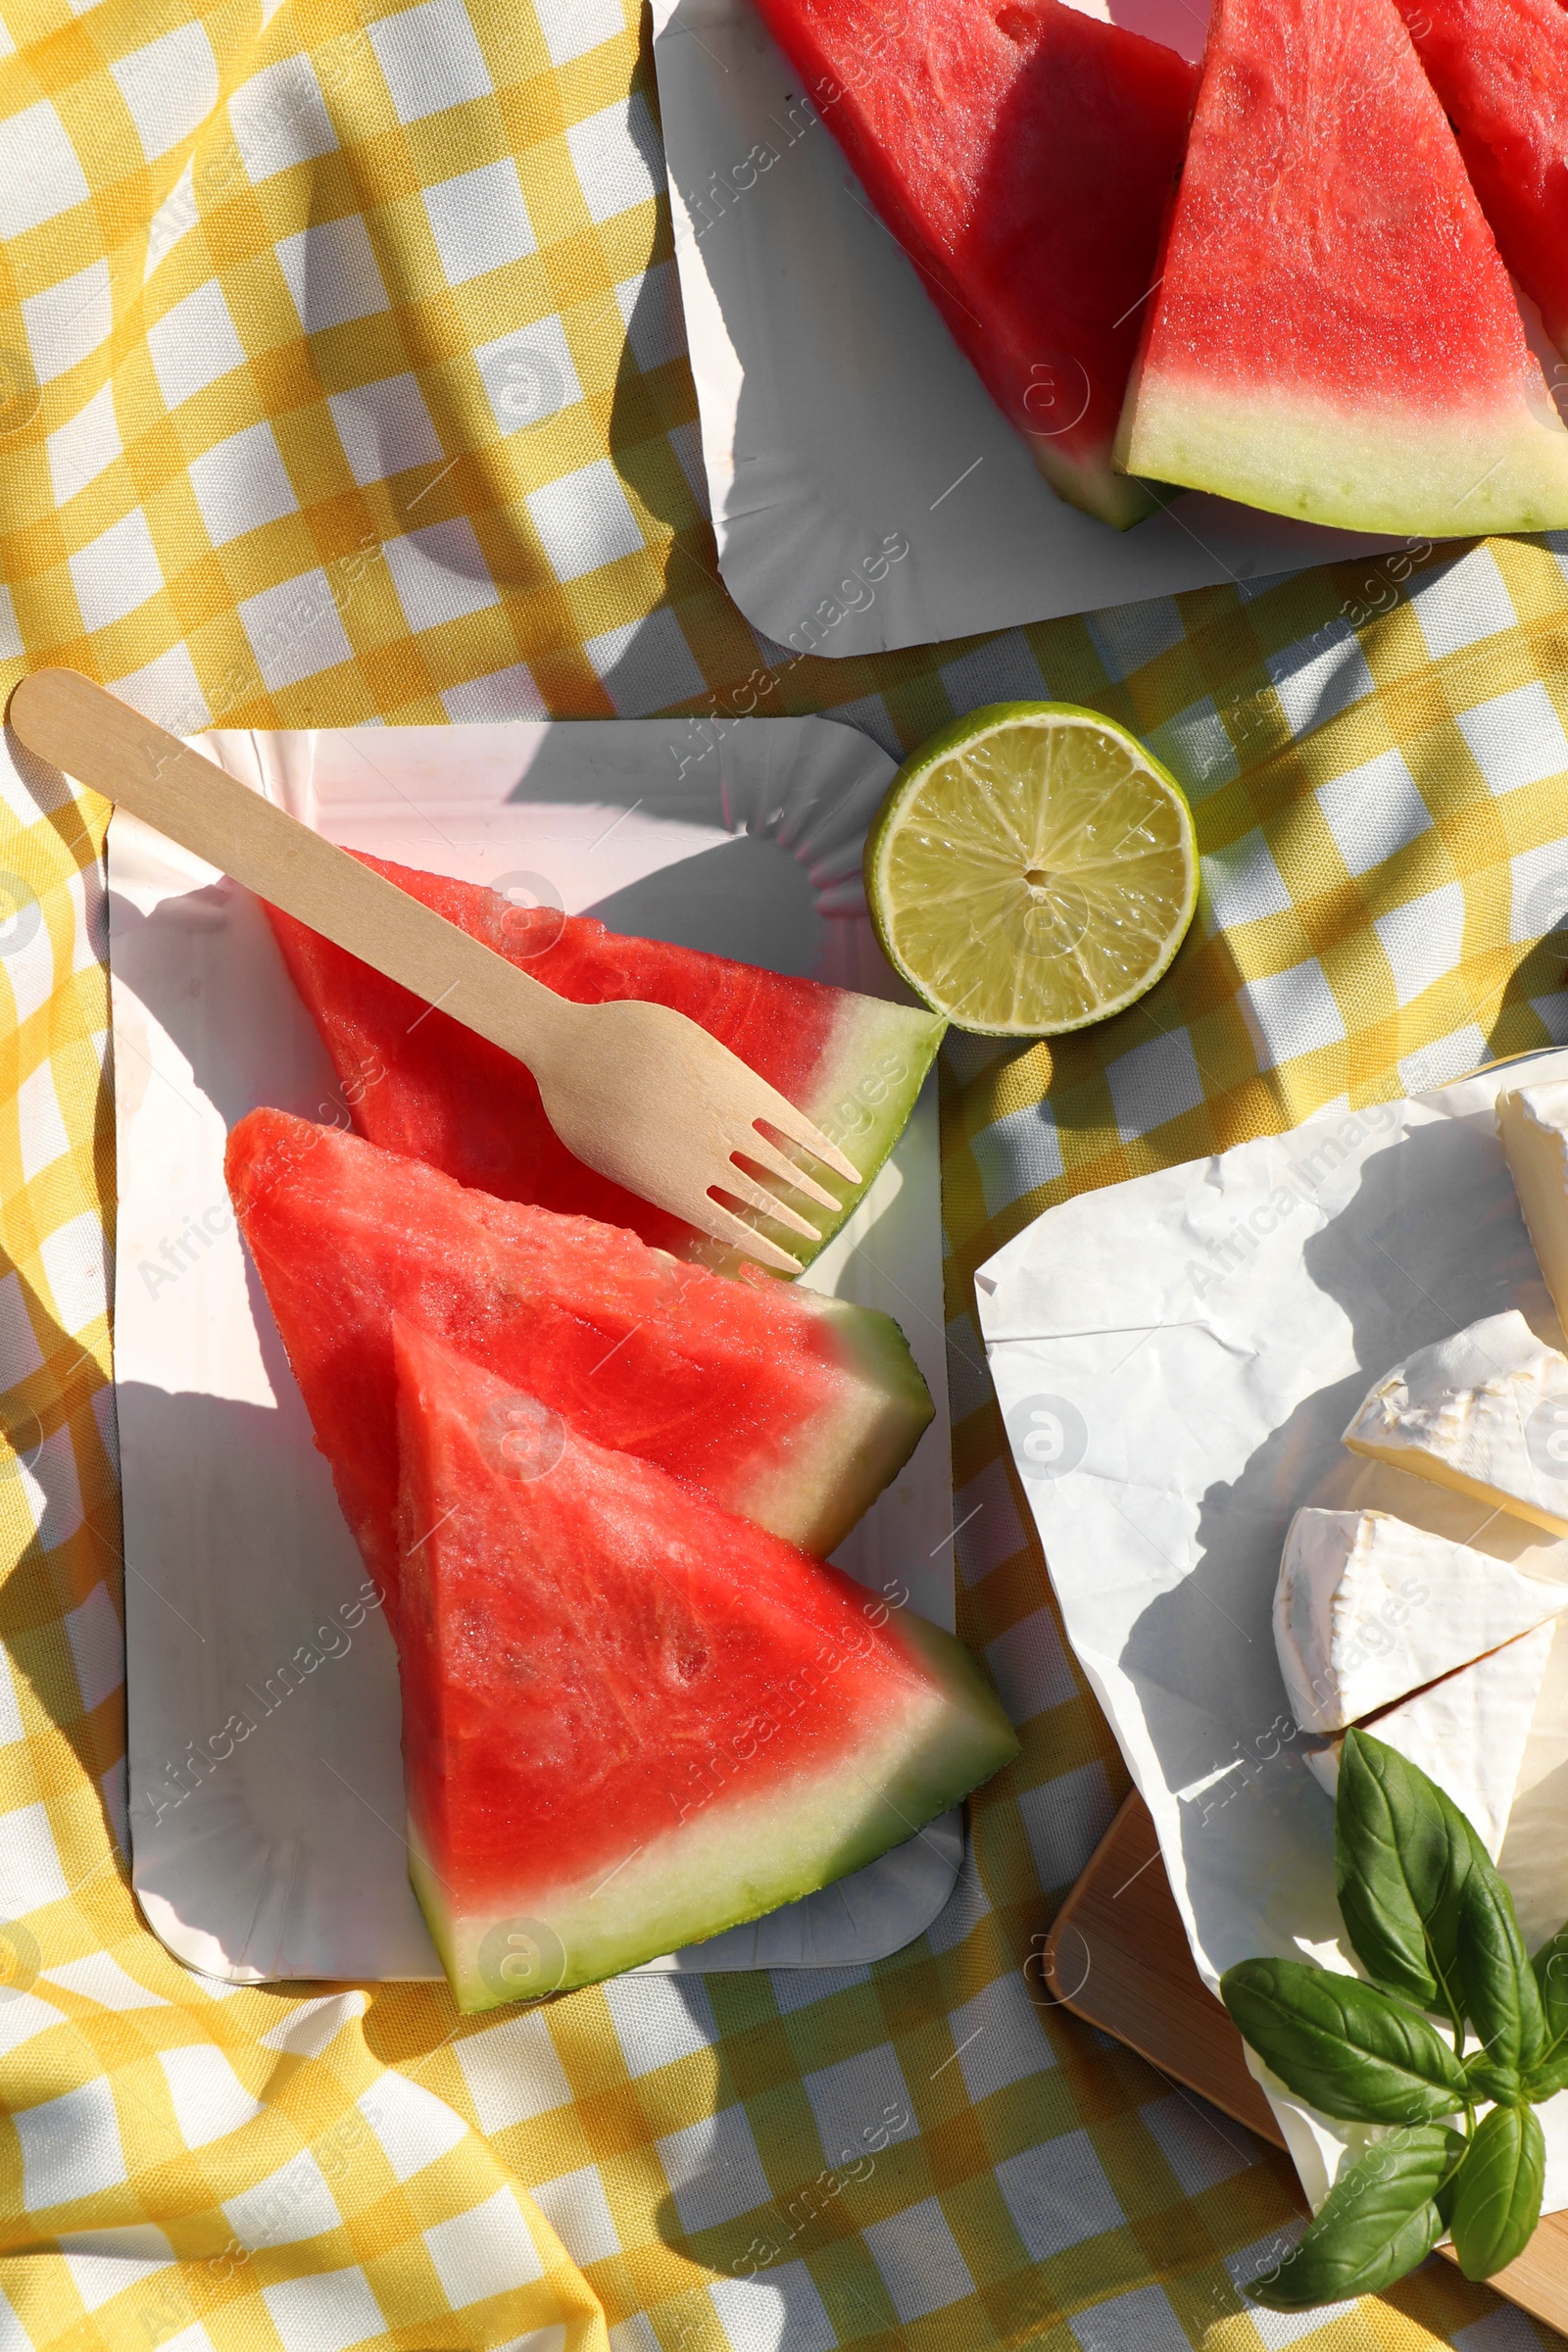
(1033, 869)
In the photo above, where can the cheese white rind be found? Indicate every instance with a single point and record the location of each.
(1485, 1412)
(1533, 1121)
(1467, 1733)
(1368, 1608)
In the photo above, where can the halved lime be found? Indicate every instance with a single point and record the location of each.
(1032, 869)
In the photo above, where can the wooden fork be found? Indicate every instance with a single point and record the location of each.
(636, 1090)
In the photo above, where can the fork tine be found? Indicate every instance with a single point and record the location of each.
(743, 1237)
(796, 1128)
(752, 1194)
(776, 1163)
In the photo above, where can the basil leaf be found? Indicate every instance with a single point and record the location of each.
(1376, 2224)
(1500, 1992)
(1549, 2074)
(1496, 2202)
(1489, 2081)
(1403, 1853)
(1346, 2048)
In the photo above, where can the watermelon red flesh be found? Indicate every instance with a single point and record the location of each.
(1023, 156)
(420, 1083)
(1501, 67)
(630, 1720)
(791, 1409)
(1335, 336)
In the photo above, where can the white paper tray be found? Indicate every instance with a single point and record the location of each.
(837, 412)
(1186, 1349)
(285, 1859)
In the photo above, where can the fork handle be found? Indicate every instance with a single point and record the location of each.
(112, 749)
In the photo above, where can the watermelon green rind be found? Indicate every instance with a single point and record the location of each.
(1376, 468)
(876, 1061)
(630, 1720)
(829, 1480)
(1334, 333)
(735, 1862)
(1109, 492)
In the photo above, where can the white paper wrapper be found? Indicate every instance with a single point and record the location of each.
(276, 1851)
(1176, 1358)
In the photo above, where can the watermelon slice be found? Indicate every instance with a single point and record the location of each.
(1335, 336)
(420, 1083)
(1023, 156)
(1501, 67)
(630, 1720)
(791, 1409)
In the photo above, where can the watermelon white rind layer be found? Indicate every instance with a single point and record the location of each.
(834, 1472)
(1333, 333)
(1384, 467)
(1111, 497)
(1115, 498)
(864, 1091)
(734, 1858)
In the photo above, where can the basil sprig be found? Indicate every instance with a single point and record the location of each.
(1433, 1924)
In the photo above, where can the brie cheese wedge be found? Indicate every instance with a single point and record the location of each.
(1368, 1607)
(1467, 1733)
(1533, 1121)
(1485, 1412)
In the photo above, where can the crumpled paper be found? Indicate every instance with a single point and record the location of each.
(1176, 1358)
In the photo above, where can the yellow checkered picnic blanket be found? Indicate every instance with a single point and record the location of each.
(342, 379)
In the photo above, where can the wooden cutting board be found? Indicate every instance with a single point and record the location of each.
(1118, 1955)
